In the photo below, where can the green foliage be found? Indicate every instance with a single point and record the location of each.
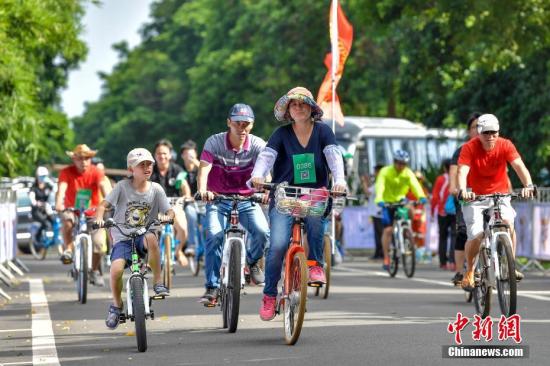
(39, 45)
(431, 62)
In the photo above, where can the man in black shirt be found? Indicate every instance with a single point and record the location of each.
(168, 174)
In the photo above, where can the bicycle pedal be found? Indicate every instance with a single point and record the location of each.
(209, 305)
(122, 318)
(158, 297)
(315, 284)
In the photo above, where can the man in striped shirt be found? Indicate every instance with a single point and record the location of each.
(226, 164)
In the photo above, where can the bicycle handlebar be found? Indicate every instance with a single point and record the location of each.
(133, 230)
(334, 194)
(258, 198)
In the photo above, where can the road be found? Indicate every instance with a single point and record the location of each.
(368, 319)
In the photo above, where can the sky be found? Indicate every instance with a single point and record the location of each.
(104, 25)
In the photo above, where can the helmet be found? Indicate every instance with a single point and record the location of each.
(241, 112)
(42, 171)
(401, 155)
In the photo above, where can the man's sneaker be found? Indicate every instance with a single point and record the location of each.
(67, 257)
(96, 279)
(519, 276)
(267, 310)
(210, 296)
(113, 316)
(385, 267)
(316, 275)
(161, 290)
(457, 279)
(189, 251)
(468, 283)
(256, 274)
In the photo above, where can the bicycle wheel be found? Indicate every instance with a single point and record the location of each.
(295, 305)
(327, 255)
(82, 273)
(506, 283)
(483, 290)
(394, 259)
(233, 293)
(167, 267)
(138, 306)
(38, 250)
(408, 257)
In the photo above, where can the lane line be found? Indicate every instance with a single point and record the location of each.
(44, 351)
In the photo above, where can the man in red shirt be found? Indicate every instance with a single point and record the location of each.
(482, 166)
(80, 186)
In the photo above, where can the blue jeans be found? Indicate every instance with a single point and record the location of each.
(192, 225)
(281, 226)
(251, 218)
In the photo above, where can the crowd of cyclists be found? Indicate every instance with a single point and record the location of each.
(303, 152)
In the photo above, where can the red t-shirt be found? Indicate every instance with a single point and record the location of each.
(89, 180)
(488, 168)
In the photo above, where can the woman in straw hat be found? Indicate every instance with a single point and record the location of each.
(302, 152)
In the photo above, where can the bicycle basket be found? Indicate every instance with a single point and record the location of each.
(301, 202)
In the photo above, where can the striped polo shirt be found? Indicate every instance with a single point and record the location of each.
(230, 168)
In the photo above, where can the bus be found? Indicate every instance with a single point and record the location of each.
(372, 140)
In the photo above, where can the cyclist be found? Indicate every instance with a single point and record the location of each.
(482, 166)
(39, 195)
(302, 152)
(461, 235)
(392, 184)
(225, 166)
(165, 173)
(188, 151)
(136, 202)
(80, 185)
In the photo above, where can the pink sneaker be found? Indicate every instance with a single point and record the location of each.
(317, 275)
(267, 311)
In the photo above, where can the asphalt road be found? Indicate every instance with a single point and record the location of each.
(368, 319)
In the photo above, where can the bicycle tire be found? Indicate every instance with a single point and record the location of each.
(138, 306)
(408, 258)
(394, 259)
(233, 293)
(327, 255)
(507, 282)
(167, 267)
(483, 290)
(82, 274)
(294, 312)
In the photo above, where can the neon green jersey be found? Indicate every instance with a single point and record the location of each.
(392, 187)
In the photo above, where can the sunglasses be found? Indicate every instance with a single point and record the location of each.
(486, 133)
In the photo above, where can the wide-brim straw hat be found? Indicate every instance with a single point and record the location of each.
(82, 150)
(298, 93)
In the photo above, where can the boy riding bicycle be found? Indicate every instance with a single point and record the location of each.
(136, 202)
(226, 163)
(482, 166)
(392, 184)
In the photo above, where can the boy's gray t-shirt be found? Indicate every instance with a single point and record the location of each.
(135, 208)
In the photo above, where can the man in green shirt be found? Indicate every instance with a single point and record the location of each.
(392, 184)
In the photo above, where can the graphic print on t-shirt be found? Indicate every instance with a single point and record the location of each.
(83, 198)
(136, 213)
(304, 168)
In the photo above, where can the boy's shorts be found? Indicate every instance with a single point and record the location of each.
(123, 250)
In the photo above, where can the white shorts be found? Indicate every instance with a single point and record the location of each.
(473, 214)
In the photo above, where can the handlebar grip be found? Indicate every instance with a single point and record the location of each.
(96, 226)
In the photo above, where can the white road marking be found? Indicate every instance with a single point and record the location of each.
(44, 351)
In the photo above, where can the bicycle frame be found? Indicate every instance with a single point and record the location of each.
(295, 247)
(167, 231)
(491, 237)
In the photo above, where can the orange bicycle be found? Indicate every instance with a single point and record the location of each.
(298, 202)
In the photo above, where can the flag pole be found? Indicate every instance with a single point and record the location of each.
(335, 61)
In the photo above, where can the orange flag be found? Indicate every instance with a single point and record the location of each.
(341, 34)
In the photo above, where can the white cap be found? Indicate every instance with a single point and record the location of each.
(487, 122)
(138, 155)
(42, 170)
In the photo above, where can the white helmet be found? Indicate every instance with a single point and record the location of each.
(41, 171)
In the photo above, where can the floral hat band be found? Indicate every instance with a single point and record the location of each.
(298, 93)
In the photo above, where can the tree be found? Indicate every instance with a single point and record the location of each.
(40, 45)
